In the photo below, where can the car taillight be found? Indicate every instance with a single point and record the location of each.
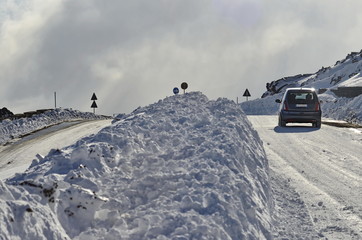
(317, 107)
(285, 106)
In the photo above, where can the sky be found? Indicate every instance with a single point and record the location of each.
(133, 53)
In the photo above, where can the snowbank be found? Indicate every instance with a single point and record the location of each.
(262, 106)
(347, 109)
(16, 128)
(182, 168)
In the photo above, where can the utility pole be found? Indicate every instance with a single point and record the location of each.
(55, 100)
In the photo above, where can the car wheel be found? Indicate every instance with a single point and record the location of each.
(281, 123)
(317, 124)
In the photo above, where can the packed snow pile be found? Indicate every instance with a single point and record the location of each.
(330, 83)
(182, 168)
(10, 129)
(347, 109)
(262, 106)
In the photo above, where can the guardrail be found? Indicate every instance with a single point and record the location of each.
(348, 92)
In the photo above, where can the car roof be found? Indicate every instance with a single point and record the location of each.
(300, 89)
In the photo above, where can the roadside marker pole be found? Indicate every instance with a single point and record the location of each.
(55, 100)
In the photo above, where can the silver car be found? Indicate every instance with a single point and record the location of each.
(300, 105)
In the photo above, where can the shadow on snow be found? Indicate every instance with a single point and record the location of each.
(295, 129)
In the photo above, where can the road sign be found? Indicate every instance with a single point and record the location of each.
(94, 97)
(94, 106)
(246, 94)
(184, 86)
(176, 90)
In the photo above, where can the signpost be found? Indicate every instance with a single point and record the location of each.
(184, 86)
(94, 104)
(246, 94)
(55, 100)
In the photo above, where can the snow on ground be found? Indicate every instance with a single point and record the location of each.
(262, 106)
(347, 109)
(17, 156)
(16, 128)
(182, 168)
(316, 178)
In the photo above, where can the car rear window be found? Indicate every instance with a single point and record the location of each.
(305, 97)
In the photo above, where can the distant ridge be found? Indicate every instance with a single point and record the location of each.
(346, 73)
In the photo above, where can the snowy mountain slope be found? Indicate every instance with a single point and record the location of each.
(10, 129)
(345, 73)
(182, 168)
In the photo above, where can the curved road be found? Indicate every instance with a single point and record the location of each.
(17, 156)
(324, 166)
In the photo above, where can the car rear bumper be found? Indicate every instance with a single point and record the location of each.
(300, 117)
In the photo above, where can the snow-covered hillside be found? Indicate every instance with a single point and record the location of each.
(10, 129)
(182, 168)
(345, 73)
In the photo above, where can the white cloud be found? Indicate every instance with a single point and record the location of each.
(133, 53)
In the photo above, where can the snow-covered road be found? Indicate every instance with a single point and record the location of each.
(324, 167)
(18, 156)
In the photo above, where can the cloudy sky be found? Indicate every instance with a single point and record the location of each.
(134, 52)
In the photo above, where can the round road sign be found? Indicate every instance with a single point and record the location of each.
(184, 85)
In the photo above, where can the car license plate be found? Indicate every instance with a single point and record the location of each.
(302, 105)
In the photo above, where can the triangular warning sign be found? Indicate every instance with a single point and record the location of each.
(246, 93)
(94, 97)
(94, 104)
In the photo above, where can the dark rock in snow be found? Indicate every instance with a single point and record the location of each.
(5, 113)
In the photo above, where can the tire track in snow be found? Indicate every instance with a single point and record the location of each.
(324, 167)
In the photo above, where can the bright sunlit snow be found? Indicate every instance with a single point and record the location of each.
(182, 168)
(19, 127)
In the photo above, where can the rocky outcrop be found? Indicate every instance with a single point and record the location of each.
(5, 113)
